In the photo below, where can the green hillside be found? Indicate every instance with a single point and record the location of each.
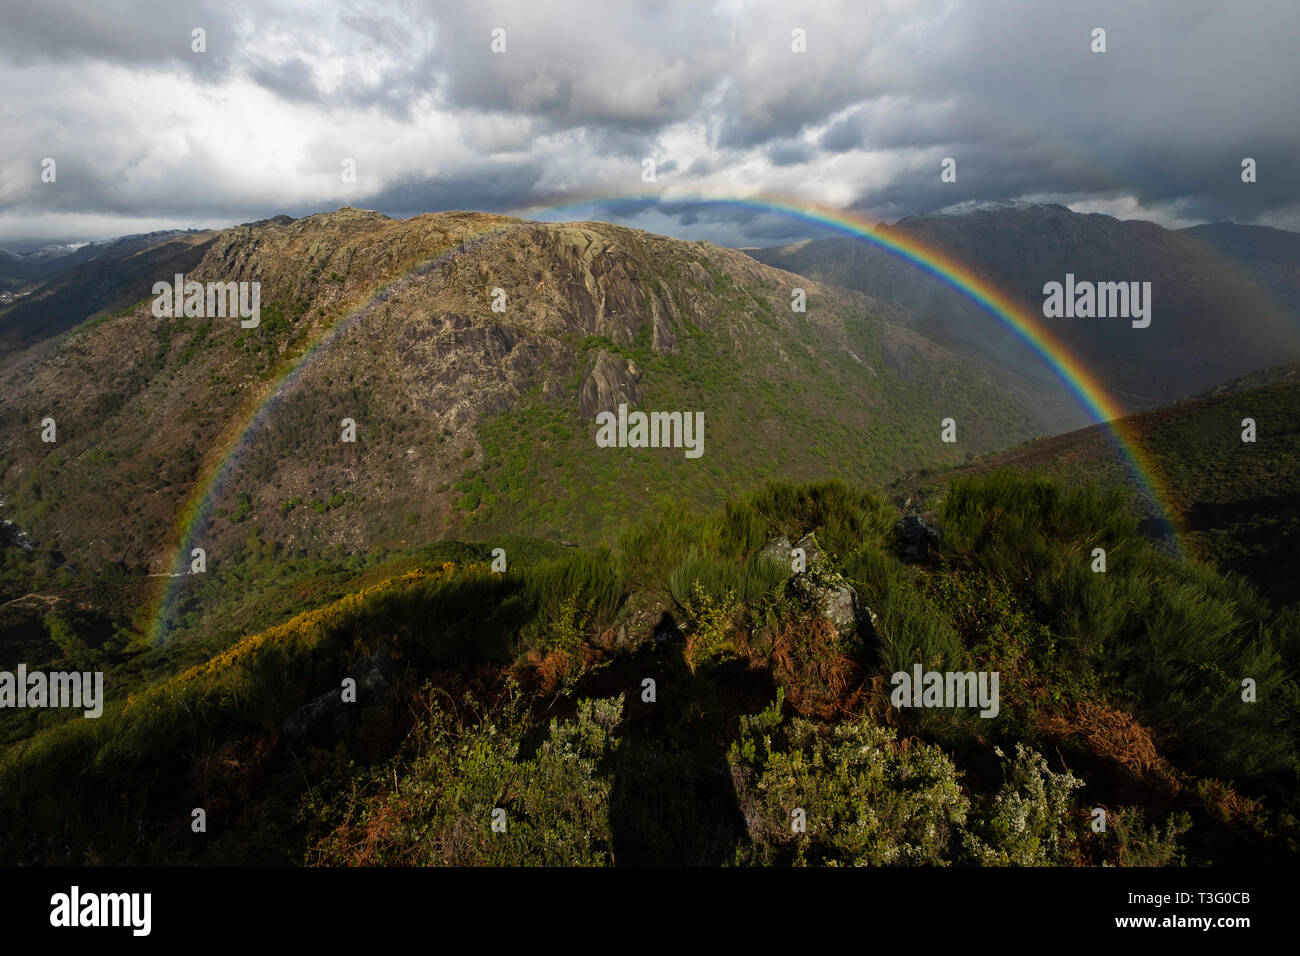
(525, 692)
(1237, 502)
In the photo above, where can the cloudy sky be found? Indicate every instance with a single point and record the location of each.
(148, 134)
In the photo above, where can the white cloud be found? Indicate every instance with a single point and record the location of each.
(145, 132)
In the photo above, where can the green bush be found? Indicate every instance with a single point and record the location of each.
(866, 800)
(552, 808)
(708, 624)
(1172, 639)
(1029, 822)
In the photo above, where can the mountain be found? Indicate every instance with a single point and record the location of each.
(55, 288)
(1269, 257)
(54, 250)
(1225, 298)
(468, 421)
(524, 688)
(19, 268)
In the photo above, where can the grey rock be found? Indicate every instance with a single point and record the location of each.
(917, 539)
(812, 550)
(611, 382)
(778, 551)
(833, 598)
(327, 717)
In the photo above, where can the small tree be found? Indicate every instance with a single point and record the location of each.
(59, 627)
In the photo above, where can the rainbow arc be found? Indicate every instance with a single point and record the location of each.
(1085, 387)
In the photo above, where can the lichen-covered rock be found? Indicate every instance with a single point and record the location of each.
(831, 596)
(823, 589)
(812, 550)
(777, 551)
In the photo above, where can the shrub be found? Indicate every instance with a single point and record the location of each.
(867, 799)
(441, 810)
(709, 622)
(1173, 639)
(1130, 841)
(1029, 821)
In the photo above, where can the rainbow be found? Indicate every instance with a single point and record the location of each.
(230, 448)
(1085, 387)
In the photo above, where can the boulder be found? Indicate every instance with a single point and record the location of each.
(327, 717)
(917, 539)
(831, 596)
(778, 551)
(812, 550)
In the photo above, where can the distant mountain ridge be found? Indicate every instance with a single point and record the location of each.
(1226, 297)
(1238, 502)
(79, 282)
(469, 420)
(48, 261)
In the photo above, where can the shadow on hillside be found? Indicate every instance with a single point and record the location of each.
(1256, 540)
(673, 802)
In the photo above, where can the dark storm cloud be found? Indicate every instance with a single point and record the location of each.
(724, 225)
(156, 35)
(585, 90)
(496, 187)
(790, 152)
(1184, 91)
(628, 66)
(144, 35)
(294, 79)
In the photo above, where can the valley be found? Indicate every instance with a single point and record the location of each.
(441, 467)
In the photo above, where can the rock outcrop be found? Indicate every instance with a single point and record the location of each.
(328, 717)
(611, 382)
(917, 539)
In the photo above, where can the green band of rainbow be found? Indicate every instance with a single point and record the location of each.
(1090, 393)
